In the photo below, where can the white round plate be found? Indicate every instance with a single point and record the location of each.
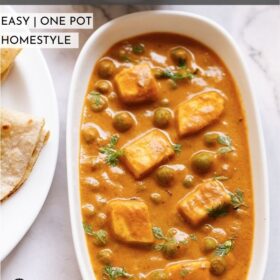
(29, 88)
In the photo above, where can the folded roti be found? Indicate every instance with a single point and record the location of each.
(22, 138)
(7, 57)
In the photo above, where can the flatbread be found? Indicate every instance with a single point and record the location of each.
(7, 57)
(22, 138)
(5, 74)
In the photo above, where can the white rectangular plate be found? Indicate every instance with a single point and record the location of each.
(213, 36)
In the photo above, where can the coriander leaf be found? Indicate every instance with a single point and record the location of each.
(227, 142)
(166, 74)
(193, 236)
(138, 48)
(181, 76)
(87, 228)
(224, 150)
(125, 58)
(160, 247)
(175, 75)
(113, 141)
(224, 140)
(100, 236)
(114, 272)
(182, 63)
(184, 272)
(177, 148)
(223, 249)
(237, 199)
(218, 211)
(112, 154)
(158, 233)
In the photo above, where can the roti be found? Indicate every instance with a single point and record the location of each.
(22, 138)
(7, 57)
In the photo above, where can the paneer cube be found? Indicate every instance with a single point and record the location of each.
(130, 221)
(198, 112)
(197, 205)
(136, 84)
(146, 152)
(189, 270)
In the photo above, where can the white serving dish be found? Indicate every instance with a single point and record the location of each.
(213, 36)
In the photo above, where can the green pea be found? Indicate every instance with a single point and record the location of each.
(172, 84)
(103, 86)
(106, 68)
(209, 244)
(202, 162)
(165, 102)
(123, 55)
(97, 101)
(162, 117)
(89, 133)
(210, 138)
(156, 198)
(165, 175)
(217, 265)
(101, 219)
(105, 256)
(188, 181)
(171, 247)
(88, 209)
(179, 55)
(123, 121)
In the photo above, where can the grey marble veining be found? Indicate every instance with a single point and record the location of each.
(46, 252)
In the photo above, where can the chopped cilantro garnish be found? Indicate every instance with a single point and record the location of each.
(101, 236)
(223, 249)
(114, 272)
(138, 48)
(177, 148)
(226, 141)
(112, 154)
(184, 272)
(193, 236)
(218, 211)
(158, 233)
(176, 75)
(237, 199)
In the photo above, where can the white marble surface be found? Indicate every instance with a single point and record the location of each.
(46, 252)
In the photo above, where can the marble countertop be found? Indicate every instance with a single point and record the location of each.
(46, 252)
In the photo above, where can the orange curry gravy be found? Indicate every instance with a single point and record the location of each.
(155, 238)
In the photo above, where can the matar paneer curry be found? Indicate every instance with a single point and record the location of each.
(165, 183)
